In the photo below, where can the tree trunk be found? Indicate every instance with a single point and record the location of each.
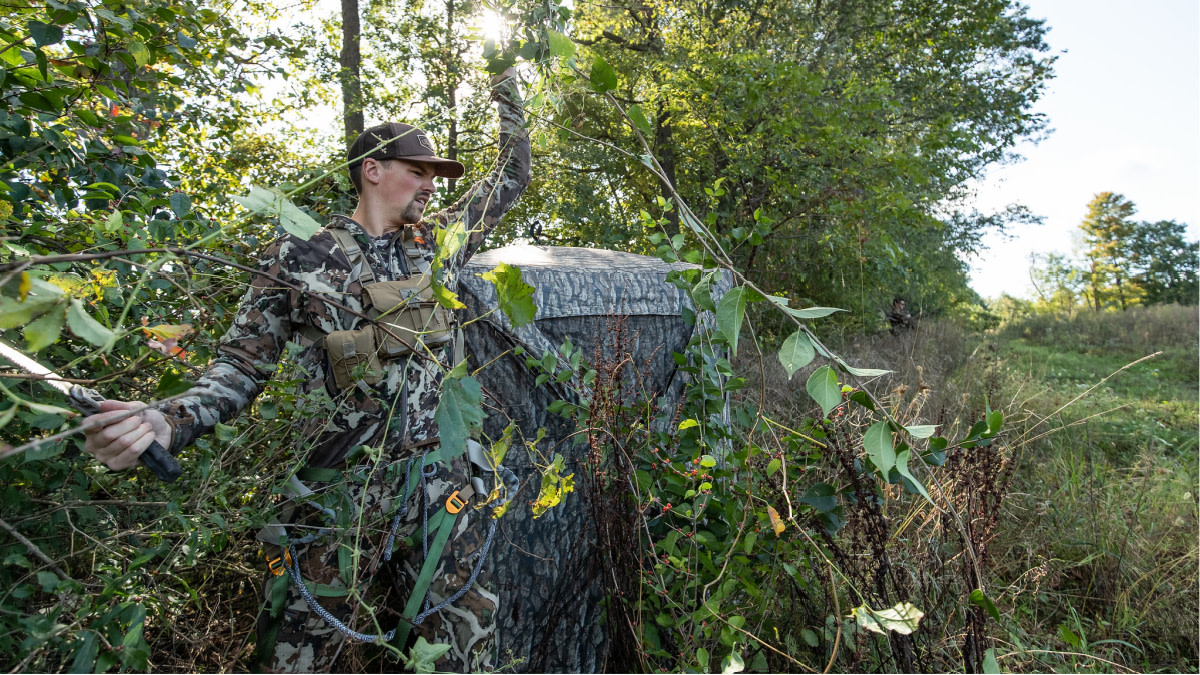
(351, 71)
(664, 148)
(1095, 288)
(451, 93)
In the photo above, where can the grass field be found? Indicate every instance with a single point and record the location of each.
(1102, 546)
(1093, 561)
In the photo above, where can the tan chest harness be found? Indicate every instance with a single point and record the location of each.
(405, 312)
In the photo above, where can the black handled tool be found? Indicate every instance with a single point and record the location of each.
(87, 401)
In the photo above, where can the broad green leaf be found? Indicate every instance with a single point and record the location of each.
(445, 297)
(639, 119)
(812, 312)
(460, 411)
(561, 46)
(822, 497)
(423, 656)
(985, 603)
(181, 204)
(903, 618)
(85, 654)
(809, 637)
(688, 424)
(39, 298)
(878, 443)
(45, 331)
(83, 325)
(140, 54)
(702, 658)
(921, 430)
(603, 77)
(514, 295)
(702, 291)
(707, 461)
(733, 664)
(902, 467)
(990, 665)
(44, 34)
(995, 420)
(796, 353)
(823, 387)
(731, 311)
(273, 203)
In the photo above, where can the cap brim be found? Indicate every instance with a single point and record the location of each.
(442, 167)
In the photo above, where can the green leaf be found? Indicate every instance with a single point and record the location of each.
(823, 387)
(708, 461)
(639, 119)
(731, 311)
(45, 331)
(822, 497)
(514, 295)
(7, 416)
(902, 467)
(733, 664)
(921, 430)
(445, 297)
(862, 372)
(903, 618)
(273, 203)
(181, 204)
(224, 432)
(172, 383)
(83, 325)
(460, 411)
(878, 443)
(141, 55)
(44, 34)
(1069, 636)
(796, 353)
(85, 654)
(990, 666)
(995, 420)
(809, 637)
(603, 77)
(561, 46)
(688, 424)
(812, 312)
(985, 603)
(702, 658)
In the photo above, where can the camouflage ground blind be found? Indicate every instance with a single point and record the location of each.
(544, 570)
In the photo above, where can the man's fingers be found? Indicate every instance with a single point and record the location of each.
(138, 440)
(110, 433)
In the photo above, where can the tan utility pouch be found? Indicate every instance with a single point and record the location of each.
(407, 309)
(350, 349)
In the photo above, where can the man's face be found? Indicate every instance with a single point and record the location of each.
(408, 187)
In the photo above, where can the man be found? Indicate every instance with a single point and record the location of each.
(383, 381)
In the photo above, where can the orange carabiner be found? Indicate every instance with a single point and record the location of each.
(279, 565)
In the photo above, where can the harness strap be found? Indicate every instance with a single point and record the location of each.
(353, 253)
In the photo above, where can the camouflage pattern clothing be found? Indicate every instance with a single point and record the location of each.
(395, 415)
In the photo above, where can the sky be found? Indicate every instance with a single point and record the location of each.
(1125, 109)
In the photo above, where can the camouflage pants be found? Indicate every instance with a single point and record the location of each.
(345, 569)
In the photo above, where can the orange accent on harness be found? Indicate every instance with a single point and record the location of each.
(454, 503)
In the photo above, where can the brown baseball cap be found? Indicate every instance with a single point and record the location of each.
(396, 140)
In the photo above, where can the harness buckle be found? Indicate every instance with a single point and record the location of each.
(279, 565)
(454, 503)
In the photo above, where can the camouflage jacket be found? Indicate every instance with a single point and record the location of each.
(271, 315)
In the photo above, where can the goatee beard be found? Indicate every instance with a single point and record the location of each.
(413, 212)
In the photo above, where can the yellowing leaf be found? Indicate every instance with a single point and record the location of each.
(25, 286)
(776, 522)
(903, 618)
(167, 331)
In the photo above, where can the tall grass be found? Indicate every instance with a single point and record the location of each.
(1093, 561)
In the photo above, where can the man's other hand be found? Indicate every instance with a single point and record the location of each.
(118, 443)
